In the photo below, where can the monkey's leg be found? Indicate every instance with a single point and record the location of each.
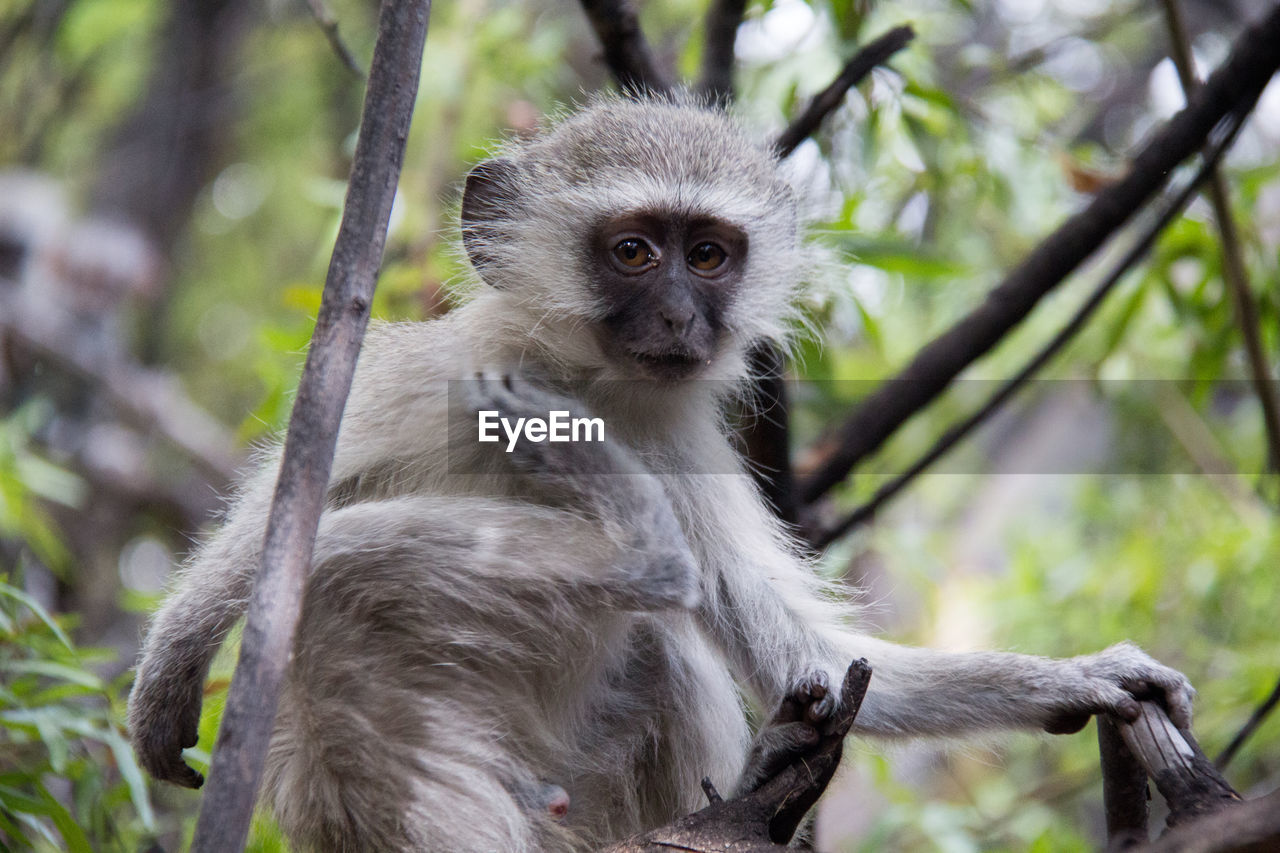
(436, 634)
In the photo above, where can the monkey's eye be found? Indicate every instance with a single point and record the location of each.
(633, 252)
(706, 257)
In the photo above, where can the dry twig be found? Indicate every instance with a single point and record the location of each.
(1251, 64)
(313, 429)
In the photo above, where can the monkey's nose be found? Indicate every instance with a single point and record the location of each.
(677, 321)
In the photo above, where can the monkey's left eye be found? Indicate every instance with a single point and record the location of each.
(706, 257)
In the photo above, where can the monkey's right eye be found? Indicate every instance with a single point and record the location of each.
(633, 253)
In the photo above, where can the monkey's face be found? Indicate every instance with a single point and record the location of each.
(622, 236)
(664, 281)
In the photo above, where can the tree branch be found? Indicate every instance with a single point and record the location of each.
(824, 103)
(1252, 827)
(1251, 725)
(1250, 65)
(1124, 789)
(329, 26)
(626, 51)
(957, 433)
(313, 428)
(1233, 270)
(716, 80)
(1190, 785)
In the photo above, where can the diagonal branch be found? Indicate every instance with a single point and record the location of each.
(955, 434)
(328, 25)
(223, 824)
(1252, 62)
(824, 103)
(766, 435)
(1232, 256)
(626, 50)
(1251, 725)
(716, 80)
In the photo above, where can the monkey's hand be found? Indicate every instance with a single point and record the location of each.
(1115, 679)
(164, 716)
(805, 715)
(602, 477)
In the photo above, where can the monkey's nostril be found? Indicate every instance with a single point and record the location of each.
(676, 322)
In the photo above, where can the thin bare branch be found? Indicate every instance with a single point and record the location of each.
(1251, 64)
(626, 50)
(716, 80)
(1251, 725)
(957, 433)
(273, 611)
(1233, 269)
(875, 53)
(329, 26)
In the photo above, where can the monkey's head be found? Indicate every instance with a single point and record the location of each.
(657, 229)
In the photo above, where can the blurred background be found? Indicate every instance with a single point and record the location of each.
(171, 179)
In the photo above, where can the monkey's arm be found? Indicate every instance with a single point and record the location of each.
(923, 691)
(782, 628)
(212, 592)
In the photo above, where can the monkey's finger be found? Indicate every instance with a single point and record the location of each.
(175, 771)
(822, 709)
(1174, 697)
(791, 710)
(1118, 701)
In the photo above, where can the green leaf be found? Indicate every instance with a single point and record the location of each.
(53, 670)
(34, 606)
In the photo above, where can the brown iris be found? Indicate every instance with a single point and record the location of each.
(706, 257)
(633, 253)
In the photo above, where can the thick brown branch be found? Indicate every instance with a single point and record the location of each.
(313, 428)
(626, 50)
(1252, 62)
(764, 820)
(1189, 784)
(1252, 827)
(957, 433)
(874, 53)
(1124, 789)
(716, 80)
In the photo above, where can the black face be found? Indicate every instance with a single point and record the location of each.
(665, 281)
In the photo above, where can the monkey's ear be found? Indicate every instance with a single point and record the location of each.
(487, 199)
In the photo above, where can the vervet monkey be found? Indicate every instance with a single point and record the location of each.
(481, 625)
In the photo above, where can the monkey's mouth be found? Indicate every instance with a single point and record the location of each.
(670, 365)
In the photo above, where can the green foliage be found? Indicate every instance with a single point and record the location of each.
(68, 778)
(924, 188)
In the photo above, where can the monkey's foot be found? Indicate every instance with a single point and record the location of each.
(805, 715)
